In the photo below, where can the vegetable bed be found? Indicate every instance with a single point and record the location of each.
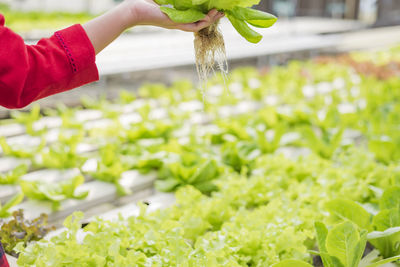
(25, 22)
(292, 166)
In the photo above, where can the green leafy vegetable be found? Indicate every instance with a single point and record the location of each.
(149, 162)
(22, 231)
(254, 17)
(183, 16)
(209, 43)
(325, 145)
(199, 174)
(343, 245)
(386, 237)
(384, 261)
(244, 30)
(238, 13)
(19, 151)
(349, 210)
(390, 199)
(292, 263)
(148, 129)
(15, 200)
(62, 154)
(110, 168)
(54, 192)
(387, 242)
(12, 177)
(263, 205)
(385, 150)
(240, 156)
(28, 119)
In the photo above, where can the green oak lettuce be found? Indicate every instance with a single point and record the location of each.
(200, 173)
(209, 44)
(15, 200)
(341, 246)
(54, 192)
(239, 13)
(383, 227)
(13, 176)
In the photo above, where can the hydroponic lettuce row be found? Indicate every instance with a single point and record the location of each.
(26, 22)
(283, 171)
(54, 192)
(256, 221)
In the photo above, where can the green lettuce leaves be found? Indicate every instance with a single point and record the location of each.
(183, 16)
(200, 174)
(13, 176)
(54, 192)
(239, 13)
(341, 246)
(15, 200)
(206, 5)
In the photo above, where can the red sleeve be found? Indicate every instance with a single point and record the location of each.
(3, 257)
(57, 64)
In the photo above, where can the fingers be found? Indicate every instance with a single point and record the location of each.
(214, 15)
(211, 17)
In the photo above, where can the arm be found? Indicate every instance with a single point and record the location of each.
(3, 258)
(67, 59)
(64, 61)
(106, 28)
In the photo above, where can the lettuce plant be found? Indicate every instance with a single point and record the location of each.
(12, 177)
(240, 156)
(292, 263)
(209, 43)
(54, 192)
(148, 129)
(110, 167)
(386, 237)
(20, 151)
(22, 231)
(341, 246)
(28, 119)
(267, 216)
(61, 154)
(15, 200)
(239, 13)
(199, 174)
(325, 145)
(384, 227)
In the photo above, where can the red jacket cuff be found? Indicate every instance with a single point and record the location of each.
(80, 52)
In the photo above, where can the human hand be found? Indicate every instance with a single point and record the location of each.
(106, 28)
(147, 12)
